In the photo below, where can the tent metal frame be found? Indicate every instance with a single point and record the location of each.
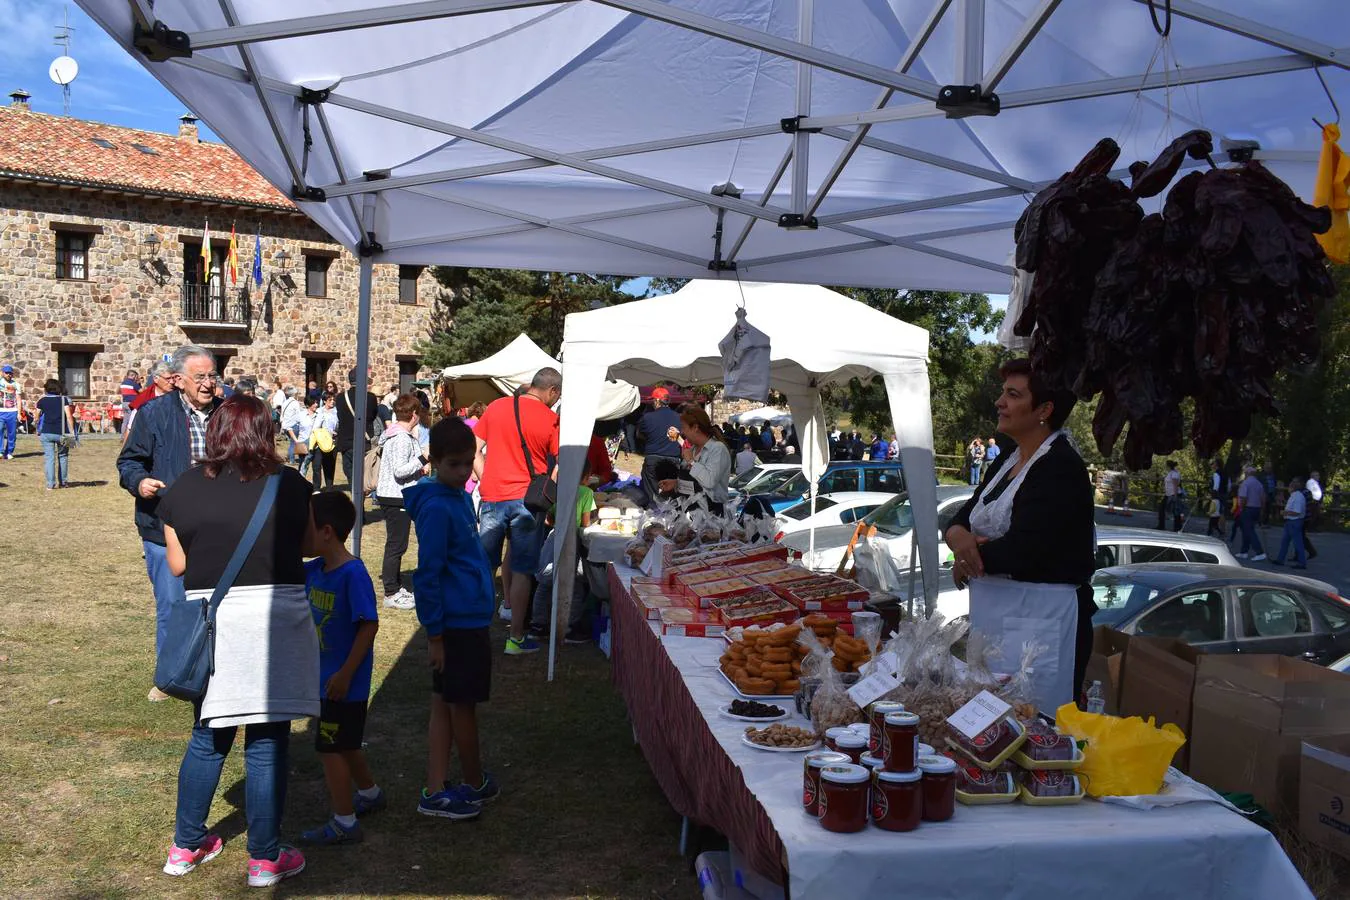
(800, 207)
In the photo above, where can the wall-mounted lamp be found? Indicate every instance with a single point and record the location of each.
(148, 253)
(282, 259)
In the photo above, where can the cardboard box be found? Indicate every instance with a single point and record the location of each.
(1252, 714)
(690, 623)
(1158, 680)
(1107, 665)
(1324, 791)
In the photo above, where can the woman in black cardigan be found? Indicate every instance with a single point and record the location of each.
(1048, 536)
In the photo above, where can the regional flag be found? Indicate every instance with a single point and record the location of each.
(257, 258)
(234, 258)
(206, 250)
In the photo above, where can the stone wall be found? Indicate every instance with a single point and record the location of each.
(127, 319)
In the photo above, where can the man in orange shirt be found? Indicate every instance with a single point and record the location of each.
(506, 428)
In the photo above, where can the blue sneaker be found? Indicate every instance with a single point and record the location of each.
(362, 806)
(488, 790)
(449, 804)
(521, 647)
(332, 832)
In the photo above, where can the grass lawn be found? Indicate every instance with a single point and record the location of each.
(89, 767)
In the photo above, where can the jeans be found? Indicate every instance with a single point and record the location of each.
(1248, 518)
(266, 748)
(396, 525)
(306, 460)
(290, 451)
(1293, 536)
(168, 589)
(541, 605)
(9, 427)
(55, 454)
(975, 474)
(495, 519)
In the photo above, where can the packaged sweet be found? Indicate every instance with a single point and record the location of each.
(1044, 744)
(706, 592)
(682, 621)
(1051, 783)
(830, 703)
(653, 605)
(748, 567)
(974, 780)
(992, 745)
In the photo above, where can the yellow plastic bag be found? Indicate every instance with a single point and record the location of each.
(1123, 757)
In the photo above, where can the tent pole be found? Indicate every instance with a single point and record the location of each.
(359, 411)
(801, 141)
(970, 41)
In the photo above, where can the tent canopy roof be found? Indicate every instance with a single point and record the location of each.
(816, 336)
(590, 136)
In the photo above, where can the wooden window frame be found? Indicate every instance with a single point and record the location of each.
(327, 263)
(64, 237)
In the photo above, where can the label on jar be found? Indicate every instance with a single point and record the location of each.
(822, 804)
(880, 805)
(808, 791)
(983, 710)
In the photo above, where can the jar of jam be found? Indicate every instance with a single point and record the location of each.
(939, 787)
(863, 728)
(843, 798)
(876, 720)
(832, 736)
(900, 742)
(853, 745)
(926, 749)
(811, 776)
(897, 800)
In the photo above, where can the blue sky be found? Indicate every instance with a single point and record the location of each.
(112, 87)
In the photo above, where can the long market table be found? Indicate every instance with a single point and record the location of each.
(674, 694)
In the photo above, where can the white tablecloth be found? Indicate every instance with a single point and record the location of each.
(1197, 851)
(604, 546)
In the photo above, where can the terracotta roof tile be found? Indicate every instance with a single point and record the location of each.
(43, 146)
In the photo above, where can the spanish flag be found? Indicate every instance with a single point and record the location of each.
(206, 250)
(234, 258)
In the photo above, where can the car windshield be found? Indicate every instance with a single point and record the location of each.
(749, 475)
(894, 517)
(1118, 598)
(803, 509)
(772, 482)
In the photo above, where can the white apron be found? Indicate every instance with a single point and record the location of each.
(1010, 613)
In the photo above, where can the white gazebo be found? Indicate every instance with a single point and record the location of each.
(888, 144)
(512, 367)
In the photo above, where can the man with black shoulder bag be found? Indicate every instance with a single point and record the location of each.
(516, 468)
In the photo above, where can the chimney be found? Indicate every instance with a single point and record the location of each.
(187, 128)
(19, 99)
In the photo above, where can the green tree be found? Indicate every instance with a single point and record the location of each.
(490, 307)
(962, 375)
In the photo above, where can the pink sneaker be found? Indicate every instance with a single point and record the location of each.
(265, 872)
(183, 861)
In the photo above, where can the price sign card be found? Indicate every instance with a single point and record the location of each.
(878, 684)
(655, 559)
(982, 711)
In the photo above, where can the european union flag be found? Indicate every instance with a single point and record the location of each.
(257, 259)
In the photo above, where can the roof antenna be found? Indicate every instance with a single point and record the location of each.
(64, 68)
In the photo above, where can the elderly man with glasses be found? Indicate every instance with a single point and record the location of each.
(167, 437)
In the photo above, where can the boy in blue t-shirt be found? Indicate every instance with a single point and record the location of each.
(342, 601)
(455, 603)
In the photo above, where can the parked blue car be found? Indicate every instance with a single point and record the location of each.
(885, 476)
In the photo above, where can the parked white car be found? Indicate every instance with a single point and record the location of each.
(840, 508)
(894, 522)
(761, 477)
(1115, 547)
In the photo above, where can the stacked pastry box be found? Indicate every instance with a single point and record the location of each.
(711, 588)
(1007, 760)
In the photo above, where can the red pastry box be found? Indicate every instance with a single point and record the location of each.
(724, 547)
(685, 582)
(783, 575)
(839, 595)
(764, 551)
(691, 622)
(654, 604)
(703, 595)
(669, 572)
(760, 566)
(647, 590)
(759, 607)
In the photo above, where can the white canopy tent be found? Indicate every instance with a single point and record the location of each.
(512, 367)
(761, 415)
(816, 336)
(862, 142)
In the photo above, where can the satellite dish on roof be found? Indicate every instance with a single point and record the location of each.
(63, 70)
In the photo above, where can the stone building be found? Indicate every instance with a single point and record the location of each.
(101, 265)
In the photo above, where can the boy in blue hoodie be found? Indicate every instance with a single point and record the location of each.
(455, 601)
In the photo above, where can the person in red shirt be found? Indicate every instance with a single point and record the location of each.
(597, 457)
(508, 426)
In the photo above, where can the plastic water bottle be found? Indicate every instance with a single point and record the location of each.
(1096, 699)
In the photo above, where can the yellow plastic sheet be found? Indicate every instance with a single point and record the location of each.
(1333, 190)
(1123, 757)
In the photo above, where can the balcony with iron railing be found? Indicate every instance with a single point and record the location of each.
(215, 306)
